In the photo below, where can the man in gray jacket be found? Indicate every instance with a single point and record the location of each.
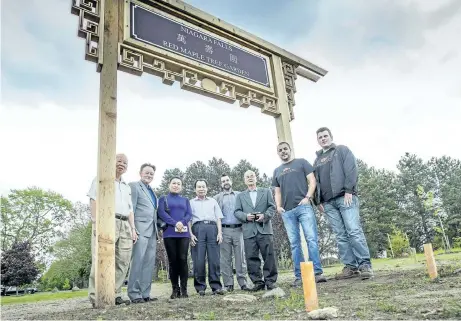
(145, 220)
(232, 238)
(255, 208)
(336, 175)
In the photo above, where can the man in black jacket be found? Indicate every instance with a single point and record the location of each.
(336, 175)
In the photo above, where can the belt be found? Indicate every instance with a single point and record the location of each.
(232, 225)
(206, 222)
(121, 217)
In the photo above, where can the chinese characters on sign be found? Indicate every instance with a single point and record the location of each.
(155, 29)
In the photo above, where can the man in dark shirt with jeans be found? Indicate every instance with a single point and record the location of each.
(336, 175)
(293, 197)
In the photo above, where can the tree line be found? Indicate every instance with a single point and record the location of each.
(418, 203)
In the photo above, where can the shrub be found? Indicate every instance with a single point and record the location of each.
(400, 243)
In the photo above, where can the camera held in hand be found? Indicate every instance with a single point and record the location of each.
(257, 215)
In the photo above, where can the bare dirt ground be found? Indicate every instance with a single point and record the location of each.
(394, 293)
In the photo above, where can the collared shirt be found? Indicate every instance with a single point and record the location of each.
(253, 195)
(228, 207)
(152, 195)
(123, 203)
(206, 209)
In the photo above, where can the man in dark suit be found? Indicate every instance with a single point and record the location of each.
(255, 208)
(145, 219)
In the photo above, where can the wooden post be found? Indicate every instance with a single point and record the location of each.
(105, 221)
(430, 261)
(309, 287)
(282, 124)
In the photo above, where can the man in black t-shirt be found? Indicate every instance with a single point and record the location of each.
(294, 183)
(336, 175)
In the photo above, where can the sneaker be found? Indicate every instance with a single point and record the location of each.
(218, 291)
(366, 272)
(120, 301)
(347, 273)
(319, 278)
(297, 283)
(271, 286)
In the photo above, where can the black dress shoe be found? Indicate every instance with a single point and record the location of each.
(271, 286)
(258, 287)
(245, 288)
(138, 300)
(201, 293)
(219, 291)
(119, 301)
(230, 288)
(150, 299)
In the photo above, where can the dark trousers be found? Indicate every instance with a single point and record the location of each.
(177, 249)
(207, 246)
(261, 243)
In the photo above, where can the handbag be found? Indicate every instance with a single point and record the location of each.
(161, 224)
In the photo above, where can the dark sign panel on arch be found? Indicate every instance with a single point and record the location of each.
(155, 29)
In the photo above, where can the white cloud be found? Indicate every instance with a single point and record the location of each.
(381, 103)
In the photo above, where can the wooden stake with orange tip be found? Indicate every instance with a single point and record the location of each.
(430, 261)
(309, 287)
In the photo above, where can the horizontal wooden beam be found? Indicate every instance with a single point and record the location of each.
(307, 74)
(237, 32)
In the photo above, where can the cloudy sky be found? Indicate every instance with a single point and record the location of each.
(394, 86)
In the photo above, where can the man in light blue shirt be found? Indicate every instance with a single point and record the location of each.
(206, 236)
(232, 238)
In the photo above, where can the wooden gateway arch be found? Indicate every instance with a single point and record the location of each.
(178, 42)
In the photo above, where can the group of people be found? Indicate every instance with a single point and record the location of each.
(233, 229)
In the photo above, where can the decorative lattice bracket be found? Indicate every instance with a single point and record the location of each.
(289, 73)
(137, 61)
(90, 18)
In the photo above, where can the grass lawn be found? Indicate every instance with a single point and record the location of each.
(390, 264)
(42, 296)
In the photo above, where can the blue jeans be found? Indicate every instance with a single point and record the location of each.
(304, 215)
(345, 222)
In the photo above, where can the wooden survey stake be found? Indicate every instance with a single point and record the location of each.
(179, 43)
(309, 287)
(430, 261)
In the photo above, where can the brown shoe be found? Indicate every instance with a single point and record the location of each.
(347, 273)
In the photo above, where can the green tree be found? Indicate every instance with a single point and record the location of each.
(446, 177)
(55, 276)
(415, 218)
(379, 208)
(66, 285)
(74, 254)
(399, 243)
(35, 216)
